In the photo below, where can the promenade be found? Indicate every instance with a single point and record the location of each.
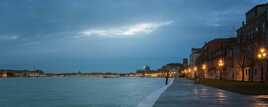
(185, 93)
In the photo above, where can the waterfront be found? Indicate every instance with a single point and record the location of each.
(121, 53)
(116, 92)
(76, 91)
(186, 93)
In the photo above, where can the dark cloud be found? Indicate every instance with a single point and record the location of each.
(36, 32)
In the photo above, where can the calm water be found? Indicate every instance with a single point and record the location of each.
(76, 92)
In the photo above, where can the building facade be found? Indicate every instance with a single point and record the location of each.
(252, 36)
(3, 74)
(214, 52)
(241, 58)
(195, 53)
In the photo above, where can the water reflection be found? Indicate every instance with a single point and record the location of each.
(220, 96)
(261, 101)
(195, 91)
(188, 94)
(204, 92)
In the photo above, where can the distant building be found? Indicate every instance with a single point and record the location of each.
(3, 74)
(185, 62)
(21, 73)
(194, 55)
(36, 73)
(146, 68)
(174, 68)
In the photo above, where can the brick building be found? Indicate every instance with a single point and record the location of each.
(213, 51)
(252, 36)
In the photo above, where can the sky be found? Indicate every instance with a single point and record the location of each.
(111, 35)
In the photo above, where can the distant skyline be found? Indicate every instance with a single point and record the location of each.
(111, 35)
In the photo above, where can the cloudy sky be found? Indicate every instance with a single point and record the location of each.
(111, 35)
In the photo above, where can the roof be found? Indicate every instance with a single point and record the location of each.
(218, 42)
(257, 6)
(174, 64)
(196, 50)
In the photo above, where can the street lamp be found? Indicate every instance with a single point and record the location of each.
(204, 68)
(220, 64)
(195, 71)
(195, 68)
(190, 72)
(262, 54)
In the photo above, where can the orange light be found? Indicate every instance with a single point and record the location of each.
(204, 66)
(221, 63)
(195, 68)
(189, 70)
(262, 50)
(259, 56)
(262, 53)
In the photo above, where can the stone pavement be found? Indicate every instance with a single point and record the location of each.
(186, 93)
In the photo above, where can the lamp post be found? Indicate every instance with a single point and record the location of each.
(190, 72)
(184, 73)
(195, 72)
(220, 65)
(204, 68)
(262, 56)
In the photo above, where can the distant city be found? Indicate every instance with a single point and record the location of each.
(168, 69)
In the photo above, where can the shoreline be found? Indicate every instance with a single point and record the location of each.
(5, 73)
(80, 77)
(151, 99)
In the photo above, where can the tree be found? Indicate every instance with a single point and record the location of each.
(242, 65)
(247, 57)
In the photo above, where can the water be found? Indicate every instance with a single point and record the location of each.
(76, 92)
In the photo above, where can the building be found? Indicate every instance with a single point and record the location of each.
(3, 74)
(21, 73)
(195, 53)
(241, 58)
(146, 68)
(218, 57)
(173, 67)
(36, 73)
(252, 36)
(185, 62)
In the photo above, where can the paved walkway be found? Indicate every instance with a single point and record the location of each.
(185, 93)
(153, 97)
